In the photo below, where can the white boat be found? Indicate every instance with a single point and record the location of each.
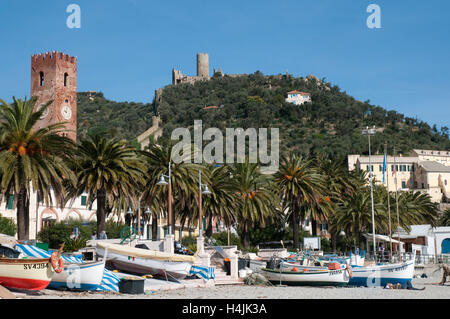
(79, 276)
(29, 274)
(317, 277)
(381, 275)
(146, 262)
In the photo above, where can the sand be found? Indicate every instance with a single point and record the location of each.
(271, 292)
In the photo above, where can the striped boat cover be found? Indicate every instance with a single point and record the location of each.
(110, 282)
(203, 272)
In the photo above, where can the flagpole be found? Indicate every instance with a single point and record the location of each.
(396, 205)
(370, 132)
(388, 200)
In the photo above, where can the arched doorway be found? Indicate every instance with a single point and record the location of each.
(445, 246)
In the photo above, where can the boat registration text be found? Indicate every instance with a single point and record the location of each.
(35, 266)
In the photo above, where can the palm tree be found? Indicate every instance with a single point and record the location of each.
(354, 216)
(107, 169)
(444, 220)
(221, 204)
(32, 159)
(257, 198)
(301, 189)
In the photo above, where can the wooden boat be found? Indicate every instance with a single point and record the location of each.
(381, 275)
(317, 277)
(79, 276)
(146, 262)
(29, 274)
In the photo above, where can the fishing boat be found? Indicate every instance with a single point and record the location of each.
(79, 276)
(76, 274)
(305, 277)
(29, 273)
(381, 275)
(146, 262)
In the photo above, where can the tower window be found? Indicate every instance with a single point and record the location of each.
(66, 79)
(41, 78)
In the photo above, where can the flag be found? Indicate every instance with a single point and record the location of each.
(384, 166)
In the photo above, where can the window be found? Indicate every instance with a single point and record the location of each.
(83, 200)
(41, 78)
(66, 79)
(423, 186)
(371, 167)
(403, 184)
(48, 221)
(11, 202)
(445, 182)
(381, 168)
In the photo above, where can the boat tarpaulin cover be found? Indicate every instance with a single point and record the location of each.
(110, 281)
(144, 253)
(203, 272)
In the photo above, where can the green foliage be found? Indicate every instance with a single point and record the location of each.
(55, 235)
(325, 244)
(113, 228)
(222, 239)
(7, 226)
(97, 115)
(74, 244)
(60, 232)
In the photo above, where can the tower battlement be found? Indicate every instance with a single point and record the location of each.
(52, 57)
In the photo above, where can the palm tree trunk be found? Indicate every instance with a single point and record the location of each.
(295, 229)
(333, 240)
(209, 229)
(155, 226)
(22, 215)
(246, 235)
(101, 210)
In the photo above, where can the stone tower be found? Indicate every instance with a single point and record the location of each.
(54, 77)
(203, 65)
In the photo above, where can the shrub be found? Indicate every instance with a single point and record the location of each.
(7, 226)
(74, 244)
(55, 235)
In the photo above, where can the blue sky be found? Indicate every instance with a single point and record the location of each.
(127, 48)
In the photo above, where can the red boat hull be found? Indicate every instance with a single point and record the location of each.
(20, 283)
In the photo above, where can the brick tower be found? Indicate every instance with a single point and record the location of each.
(54, 77)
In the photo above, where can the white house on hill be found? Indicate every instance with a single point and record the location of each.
(298, 98)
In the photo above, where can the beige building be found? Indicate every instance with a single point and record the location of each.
(424, 171)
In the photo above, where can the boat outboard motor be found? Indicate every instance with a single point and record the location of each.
(8, 252)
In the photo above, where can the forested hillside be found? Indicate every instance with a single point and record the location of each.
(331, 124)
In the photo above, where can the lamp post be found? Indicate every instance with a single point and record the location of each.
(147, 213)
(169, 201)
(200, 192)
(369, 132)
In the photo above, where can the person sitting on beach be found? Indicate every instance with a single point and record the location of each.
(446, 269)
(102, 235)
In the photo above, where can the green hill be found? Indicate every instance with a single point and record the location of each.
(331, 124)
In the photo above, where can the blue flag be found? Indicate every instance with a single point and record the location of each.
(384, 166)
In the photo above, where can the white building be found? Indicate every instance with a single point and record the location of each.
(425, 239)
(298, 98)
